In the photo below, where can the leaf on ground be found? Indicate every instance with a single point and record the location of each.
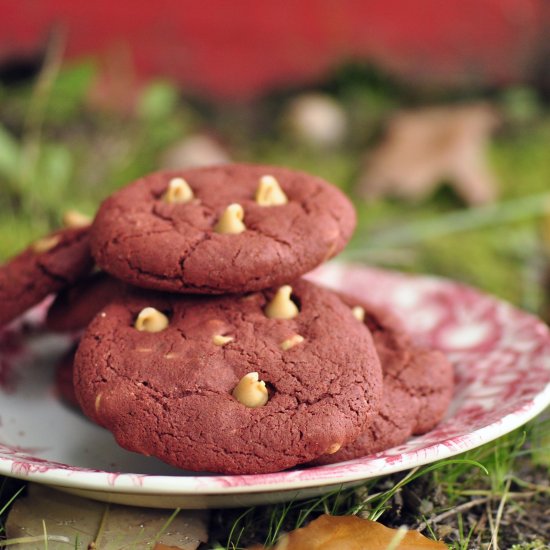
(427, 147)
(353, 533)
(74, 522)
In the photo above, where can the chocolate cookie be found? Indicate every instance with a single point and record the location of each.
(76, 306)
(418, 386)
(232, 384)
(64, 378)
(230, 228)
(47, 266)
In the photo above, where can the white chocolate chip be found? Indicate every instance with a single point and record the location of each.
(251, 391)
(291, 342)
(281, 306)
(178, 192)
(73, 219)
(97, 402)
(269, 192)
(220, 340)
(359, 313)
(334, 448)
(151, 320)
(231, 221)
(45, 244)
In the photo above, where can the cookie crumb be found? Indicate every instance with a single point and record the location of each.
(73, 219)
(46, 244)
(291, 342)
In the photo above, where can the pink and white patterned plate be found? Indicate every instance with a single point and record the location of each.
(502, 364)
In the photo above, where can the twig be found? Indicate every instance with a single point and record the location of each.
(39, 538)
(473, 503)
(45, 534)
(491, 522)
(494, 496)
(534, 528)
(454, 511)
(500, 511)
(537, 488)
(94, 543)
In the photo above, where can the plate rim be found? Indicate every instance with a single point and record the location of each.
(539, 403)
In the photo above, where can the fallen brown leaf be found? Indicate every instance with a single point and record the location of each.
(353, 533)
(69, 520)
(426, 147)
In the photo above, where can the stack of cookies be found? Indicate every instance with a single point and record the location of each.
(202, 344)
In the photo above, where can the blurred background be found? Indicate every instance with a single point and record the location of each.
(433, 116)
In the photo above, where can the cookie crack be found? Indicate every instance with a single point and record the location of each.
(183, 259)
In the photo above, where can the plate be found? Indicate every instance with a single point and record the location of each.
(501, 358)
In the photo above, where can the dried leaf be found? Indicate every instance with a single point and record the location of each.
(72, 522)
(353, 533)
(424, 148)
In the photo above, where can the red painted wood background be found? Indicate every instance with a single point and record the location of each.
(241, 48)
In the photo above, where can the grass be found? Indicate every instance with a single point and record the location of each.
(58, 152)
(438, 498)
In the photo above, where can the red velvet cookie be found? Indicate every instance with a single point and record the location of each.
(230, 228)
(76, 306)
(418, 386)
(64, 378)
(47, 266)
(232, 384)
